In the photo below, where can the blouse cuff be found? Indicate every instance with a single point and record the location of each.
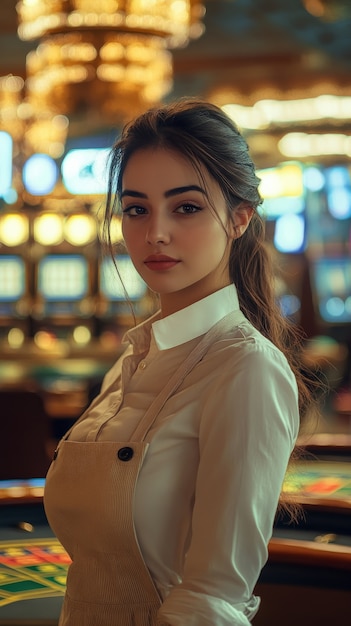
(189, 608)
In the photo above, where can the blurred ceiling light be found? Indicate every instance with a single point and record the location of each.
(11, 95)
(48, 229)
(119, 49)
(299, 145)
(175, 20)
(266, 113)
(14, 229)
(80, 229)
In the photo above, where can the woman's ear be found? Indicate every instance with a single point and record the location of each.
(242, 215)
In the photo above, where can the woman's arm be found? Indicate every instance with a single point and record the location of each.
(248, 428)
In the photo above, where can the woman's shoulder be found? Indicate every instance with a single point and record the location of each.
(244, 348)
(243, 338)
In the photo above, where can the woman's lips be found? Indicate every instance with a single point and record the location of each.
(160, 262)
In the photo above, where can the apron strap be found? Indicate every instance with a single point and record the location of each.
(182, 371)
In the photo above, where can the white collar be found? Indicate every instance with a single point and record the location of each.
(195, 320)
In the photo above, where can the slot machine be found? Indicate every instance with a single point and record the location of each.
(15, 284)
(331, 279)
(332, 284)
(62, 289)
(62, 332)
(64, 252)
(329, 243)
(284, 211)
(13, 301)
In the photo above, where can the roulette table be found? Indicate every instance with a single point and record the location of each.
(32, 580)
(33, 564)
(309, 561)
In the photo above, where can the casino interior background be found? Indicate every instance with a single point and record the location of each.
(71, 73)
(70, 76)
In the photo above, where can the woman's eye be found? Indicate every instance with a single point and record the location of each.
(134, 211)
(188, 209)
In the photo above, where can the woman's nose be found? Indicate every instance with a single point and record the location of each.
(158, 231)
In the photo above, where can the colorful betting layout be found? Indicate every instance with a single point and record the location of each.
(320, 480)
(32, 569)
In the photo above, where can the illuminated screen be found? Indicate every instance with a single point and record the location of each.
(84, 170)
(338, 187)
(12, 278)
(282, 190)
(6, 162)
(63, 277)
(332, 280)
(40, 174)
(111, 285)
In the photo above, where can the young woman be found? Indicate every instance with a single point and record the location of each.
(164, 493)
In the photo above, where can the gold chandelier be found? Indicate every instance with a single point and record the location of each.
(11, 95)
(31, 131)
(110, 58)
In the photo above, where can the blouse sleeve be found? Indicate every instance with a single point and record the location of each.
(248, 428)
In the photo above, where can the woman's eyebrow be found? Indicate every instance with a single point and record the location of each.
(133, 194)
(169, 193)
(185, 189)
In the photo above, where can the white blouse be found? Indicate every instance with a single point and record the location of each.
(208, 488)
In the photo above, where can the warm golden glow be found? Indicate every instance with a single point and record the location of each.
(48, 229)
(266, 113)
(282, 181)
(118, 70)
(116, 230)
(300, 145)
(81, 335)
(80, 229)
(34, 129)
(15, 338)
(11, 95)
(45, 340)
(14, 229)
(47, 134)
(118, 48)
(175, 20)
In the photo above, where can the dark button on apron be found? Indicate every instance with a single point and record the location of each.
(125, 454)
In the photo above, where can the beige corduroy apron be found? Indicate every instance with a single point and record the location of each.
(89, 495)
(89, 500)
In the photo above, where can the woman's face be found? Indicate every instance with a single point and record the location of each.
(177, 242)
